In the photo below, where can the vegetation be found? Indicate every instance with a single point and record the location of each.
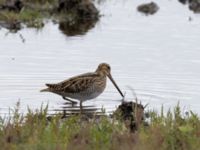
(36, 131)
(29, 17)
(32, 13)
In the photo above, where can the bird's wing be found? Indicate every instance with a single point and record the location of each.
(78, 83)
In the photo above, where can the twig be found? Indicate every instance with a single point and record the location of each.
(22, 38)
(133, 92)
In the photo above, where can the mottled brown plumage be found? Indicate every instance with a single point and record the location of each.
(85, 86)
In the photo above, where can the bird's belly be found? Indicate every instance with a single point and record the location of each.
(83, 96)
(86, 94)
(90, 95)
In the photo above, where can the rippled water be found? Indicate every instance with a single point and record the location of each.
(158, 56)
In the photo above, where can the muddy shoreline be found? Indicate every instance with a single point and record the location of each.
(17, 14)
(74, 17)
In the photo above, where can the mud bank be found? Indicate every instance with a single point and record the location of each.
(17, 14)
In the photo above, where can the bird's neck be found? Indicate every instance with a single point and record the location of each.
(101, 73)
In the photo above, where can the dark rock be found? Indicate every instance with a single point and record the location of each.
(87, 10)
(183, 1)
(67, 5)
(194, 5)
(79, 27)
(13, 26)
(15, 5)
(81, 15)
(148, 8)
(132, 114)
(82, 8)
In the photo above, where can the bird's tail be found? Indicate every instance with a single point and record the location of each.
(45, 90)
(50, 88)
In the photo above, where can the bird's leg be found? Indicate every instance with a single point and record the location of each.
(73, 102)
(81, 107)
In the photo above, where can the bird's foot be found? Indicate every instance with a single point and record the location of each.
(73, 102)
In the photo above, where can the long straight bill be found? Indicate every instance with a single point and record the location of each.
(113, 81)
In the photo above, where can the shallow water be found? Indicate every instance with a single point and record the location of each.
(158, 56)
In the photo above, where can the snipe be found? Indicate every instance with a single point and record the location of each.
(85, 86)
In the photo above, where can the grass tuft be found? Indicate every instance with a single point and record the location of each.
(172, 130)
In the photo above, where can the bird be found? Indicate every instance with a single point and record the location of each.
(84, 87)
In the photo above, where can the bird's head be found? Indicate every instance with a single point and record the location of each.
(105, 70)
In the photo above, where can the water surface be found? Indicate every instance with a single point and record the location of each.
(158, 56)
